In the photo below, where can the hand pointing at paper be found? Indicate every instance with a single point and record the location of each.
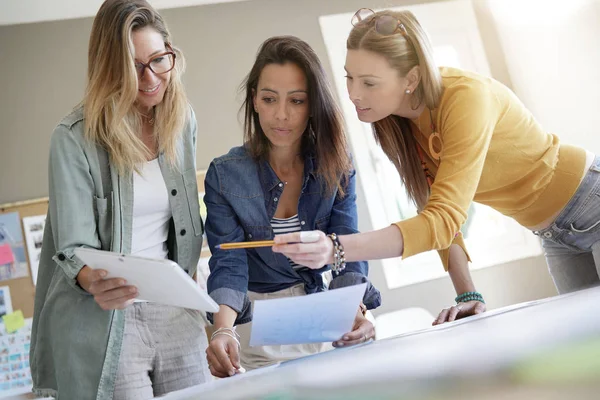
(315, 250)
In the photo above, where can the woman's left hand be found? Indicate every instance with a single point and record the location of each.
(362, 331)
(461, 310)
(314, 254)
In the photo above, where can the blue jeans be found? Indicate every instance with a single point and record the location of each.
(572, 243)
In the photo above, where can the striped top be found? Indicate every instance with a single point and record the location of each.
(287, 225)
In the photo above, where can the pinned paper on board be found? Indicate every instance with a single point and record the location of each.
(5, 301)
(13, 321)
(15, 375)
(34, 235)
(13, 261)
(6, 254)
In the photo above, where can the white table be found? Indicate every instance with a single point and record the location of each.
(478, 357)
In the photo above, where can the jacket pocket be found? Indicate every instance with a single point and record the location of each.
(103, 210)
(191, 191)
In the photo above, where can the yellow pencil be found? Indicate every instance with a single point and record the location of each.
(245, 245)
(305, 237)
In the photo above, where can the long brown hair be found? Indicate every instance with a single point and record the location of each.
(324, 138)
(403, 50)
(110, 117)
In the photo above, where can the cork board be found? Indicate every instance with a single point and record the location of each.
(22, 290)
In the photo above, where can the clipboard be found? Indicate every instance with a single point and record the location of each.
(159, 281)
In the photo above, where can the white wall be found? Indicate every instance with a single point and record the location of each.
(552, 51)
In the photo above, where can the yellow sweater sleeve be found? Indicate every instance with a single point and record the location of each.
(466, 119)
(445, 253)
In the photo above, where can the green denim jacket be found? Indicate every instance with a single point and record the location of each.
(75, 345)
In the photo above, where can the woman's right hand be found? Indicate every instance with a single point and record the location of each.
(313, 254)
(223, 356)
(110, 294)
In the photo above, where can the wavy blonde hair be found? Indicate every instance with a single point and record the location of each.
(404, 50)
(110, 116)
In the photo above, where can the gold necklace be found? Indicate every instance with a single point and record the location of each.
(151, 119)
(435, 155)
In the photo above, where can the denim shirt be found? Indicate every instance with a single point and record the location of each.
(75, 345)
(241, 197)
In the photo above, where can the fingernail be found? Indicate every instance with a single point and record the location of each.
(232, 373)
(132, 290)
(121, 282)
(345, 337)
(341, 344)
(102, 274)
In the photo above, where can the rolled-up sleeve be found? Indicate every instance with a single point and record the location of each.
(228, 279)
(344, 221)
(71, 202)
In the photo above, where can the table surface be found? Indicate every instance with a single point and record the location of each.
(517, 349)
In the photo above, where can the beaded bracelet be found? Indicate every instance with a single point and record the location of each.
(469, 296)
(339, 259)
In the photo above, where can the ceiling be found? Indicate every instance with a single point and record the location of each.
(27, 11)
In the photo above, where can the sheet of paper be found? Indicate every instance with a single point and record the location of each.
(319, 317)
(13, 321)
(34, 234)
(6, 254)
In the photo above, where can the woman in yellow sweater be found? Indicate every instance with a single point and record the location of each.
(457, 137)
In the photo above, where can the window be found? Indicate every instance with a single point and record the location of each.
(488, 234)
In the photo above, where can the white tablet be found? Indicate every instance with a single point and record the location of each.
(159, 281)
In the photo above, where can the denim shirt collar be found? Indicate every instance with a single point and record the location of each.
(270, 180)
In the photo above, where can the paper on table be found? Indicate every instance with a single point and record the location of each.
(319, 317)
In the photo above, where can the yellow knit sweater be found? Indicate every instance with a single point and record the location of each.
(493, 152)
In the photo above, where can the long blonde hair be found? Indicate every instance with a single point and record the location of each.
(405, 49)
(110, 117)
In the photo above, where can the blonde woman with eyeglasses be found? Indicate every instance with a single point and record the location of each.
(457, 137)
(122, 178)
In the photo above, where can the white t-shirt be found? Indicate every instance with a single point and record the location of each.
(151, 212)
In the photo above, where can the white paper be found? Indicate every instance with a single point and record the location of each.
(34, 233)
(319, 317)
(5, 302)
(15, 375)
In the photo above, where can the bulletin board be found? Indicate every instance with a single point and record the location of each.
(22, 289)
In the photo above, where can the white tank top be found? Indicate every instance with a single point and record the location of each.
(151, 212)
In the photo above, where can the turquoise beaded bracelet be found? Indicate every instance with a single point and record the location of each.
(469, 296)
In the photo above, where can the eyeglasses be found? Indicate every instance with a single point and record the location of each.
(159, 64)
(384, 24)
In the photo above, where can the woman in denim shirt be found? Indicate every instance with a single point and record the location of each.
(293, 173)
(122, 178)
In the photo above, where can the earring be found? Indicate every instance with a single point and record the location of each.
(407, 91)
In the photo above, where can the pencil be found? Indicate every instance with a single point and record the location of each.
(245, 245)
